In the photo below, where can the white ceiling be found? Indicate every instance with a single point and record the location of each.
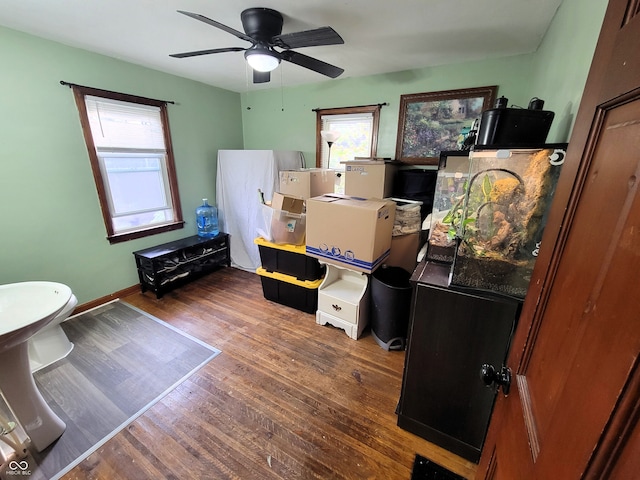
(381, 36)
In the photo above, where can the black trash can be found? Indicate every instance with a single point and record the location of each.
(391, 306)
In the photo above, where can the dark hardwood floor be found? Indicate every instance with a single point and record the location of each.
(285, 399)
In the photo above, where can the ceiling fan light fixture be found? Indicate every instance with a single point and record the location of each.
(262, 59)
(263, 29)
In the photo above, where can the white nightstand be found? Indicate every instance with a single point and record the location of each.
(343, 300)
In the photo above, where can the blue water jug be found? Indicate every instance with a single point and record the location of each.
(207, 220)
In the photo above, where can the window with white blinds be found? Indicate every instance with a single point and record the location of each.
(124, 125)
(357, 128)
(132, 164)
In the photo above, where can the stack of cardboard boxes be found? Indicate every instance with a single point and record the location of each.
(288, 275)
(352, 234)
(375, 178)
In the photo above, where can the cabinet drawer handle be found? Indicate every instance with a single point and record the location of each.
(337, 308)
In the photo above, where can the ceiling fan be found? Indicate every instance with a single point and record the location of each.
(263, 29)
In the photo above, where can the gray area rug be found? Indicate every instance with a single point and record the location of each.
(123, 362)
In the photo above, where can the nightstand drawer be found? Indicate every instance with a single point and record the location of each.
(338, 307)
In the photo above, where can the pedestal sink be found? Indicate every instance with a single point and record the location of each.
(25, 308)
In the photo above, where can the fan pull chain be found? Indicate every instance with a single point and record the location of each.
(281, 91)
(246, 79)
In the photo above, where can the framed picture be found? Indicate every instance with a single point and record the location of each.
(431, 123)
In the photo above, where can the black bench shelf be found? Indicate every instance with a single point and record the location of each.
(167, 266)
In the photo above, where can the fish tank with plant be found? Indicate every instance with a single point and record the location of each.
(509, 192)
(448, 202)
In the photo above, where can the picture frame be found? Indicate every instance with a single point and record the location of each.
(430, 123)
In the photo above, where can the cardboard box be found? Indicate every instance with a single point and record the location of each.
(369, 178)
(354, 233)
(307, 182)
(287, 203)
(404, 252)
(284, 220)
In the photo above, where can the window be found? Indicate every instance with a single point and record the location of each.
(131, 157)
(358, 129)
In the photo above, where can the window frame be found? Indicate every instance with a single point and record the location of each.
(79, 93)
(372, 109)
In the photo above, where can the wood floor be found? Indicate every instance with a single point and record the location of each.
(286, 398)
(122, 361)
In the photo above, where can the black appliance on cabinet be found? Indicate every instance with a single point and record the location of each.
(514, 127)
(452, 333)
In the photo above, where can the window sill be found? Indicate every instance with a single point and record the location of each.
(125, 237)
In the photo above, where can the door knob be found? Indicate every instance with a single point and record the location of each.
(496, 379)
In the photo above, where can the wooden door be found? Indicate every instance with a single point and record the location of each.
(575, 394)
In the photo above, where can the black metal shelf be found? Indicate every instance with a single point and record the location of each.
(167, 266)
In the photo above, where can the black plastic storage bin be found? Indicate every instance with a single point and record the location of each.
(416, 184)
(289, 291)
(514, 127)
(289, 259)
(391, 307)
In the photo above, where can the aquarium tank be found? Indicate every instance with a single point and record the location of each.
(509, 192)
(448, 203)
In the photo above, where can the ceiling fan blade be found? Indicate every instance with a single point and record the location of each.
(311, 63)
(261, 77)
(219, 25)
(308, 38)
(207, 52)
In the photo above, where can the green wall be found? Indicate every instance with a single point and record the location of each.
(50, 218)
(265, 123)
(562, 61)
(555, 73)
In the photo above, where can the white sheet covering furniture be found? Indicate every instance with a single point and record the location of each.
(240, 174)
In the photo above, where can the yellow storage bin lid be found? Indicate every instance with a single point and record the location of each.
(310, 284)
(286, 246)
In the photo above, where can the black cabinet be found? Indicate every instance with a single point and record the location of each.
(164, 267)
(451, 334)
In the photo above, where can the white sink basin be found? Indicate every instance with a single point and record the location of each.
(25, 308)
